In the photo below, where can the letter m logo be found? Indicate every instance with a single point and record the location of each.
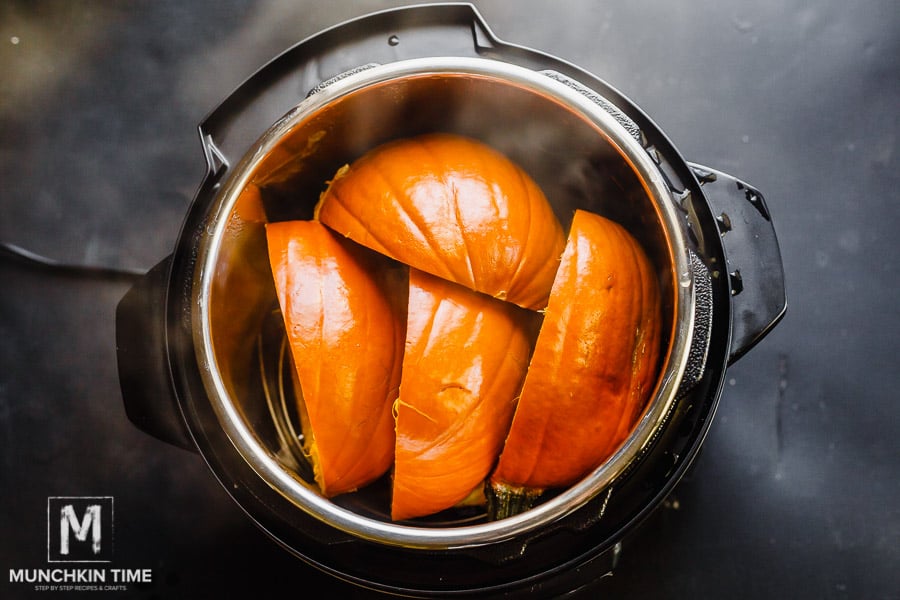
(79, 529)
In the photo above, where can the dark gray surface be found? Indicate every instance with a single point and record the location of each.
(796, 492)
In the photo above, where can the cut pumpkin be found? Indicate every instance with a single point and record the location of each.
(465, 359)
(594, 363)
(453, 207)
(344, 310)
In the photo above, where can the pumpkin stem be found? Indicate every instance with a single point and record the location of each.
(505, 500)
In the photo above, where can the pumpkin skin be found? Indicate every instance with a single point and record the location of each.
(453, 207)
(344, 309)
(594, 364)
(465, 358)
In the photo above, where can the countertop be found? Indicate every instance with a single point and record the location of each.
(795, 494)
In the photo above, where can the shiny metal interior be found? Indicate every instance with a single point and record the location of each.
(576, 150)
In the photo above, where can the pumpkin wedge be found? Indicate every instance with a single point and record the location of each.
(466, 355)
(455, 208)
(344, 310)
(593, 368)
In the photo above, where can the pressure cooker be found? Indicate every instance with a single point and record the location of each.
(201, 357)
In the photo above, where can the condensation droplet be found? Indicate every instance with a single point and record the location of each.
(393, 40)
(14, 40)
(742, 25)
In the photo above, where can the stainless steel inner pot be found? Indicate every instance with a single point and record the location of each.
(576, 145)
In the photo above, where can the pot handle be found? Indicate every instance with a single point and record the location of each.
(144, 376)
(752, 256)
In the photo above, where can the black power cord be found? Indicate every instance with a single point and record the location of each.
(27, 256)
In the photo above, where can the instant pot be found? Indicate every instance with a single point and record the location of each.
(201, 350)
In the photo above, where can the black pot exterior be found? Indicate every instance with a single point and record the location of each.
(747, 300)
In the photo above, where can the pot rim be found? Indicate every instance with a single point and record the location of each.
(282, 479)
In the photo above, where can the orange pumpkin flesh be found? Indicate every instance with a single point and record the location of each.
(455, 208)
(345, 318)
(466, 355)
(469, 229)
(594, 362)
